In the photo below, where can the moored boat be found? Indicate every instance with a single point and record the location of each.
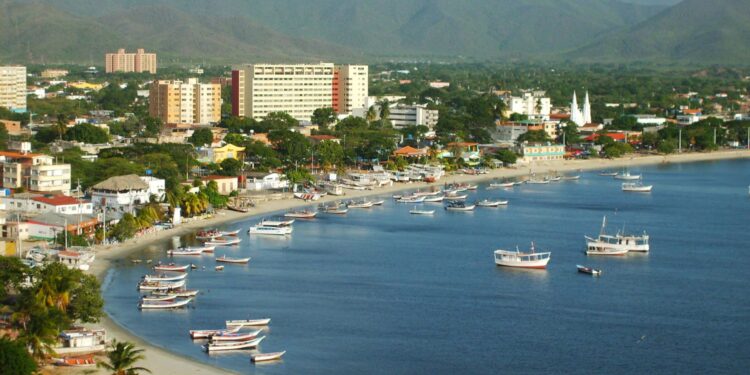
(434, 199)
(534, 181)
(277, 222)
(636, 187)
(571, 178)
(219, 268)
(503, 185)
(208, 234)
(617, 244)
(185, 252)
(416, 211)
(490, 203)
(360, 204)
(411, 199)
(222, 242)
(248, 322)
(235, 336)
(171, 267)
(626, 175)
(233, 346)
(164, 277)
(155, 305)
(378, 202)
(206, 333)
(607, 173)
(158, 298)
(225, 259)
(230, 233)
(160, 285)
(459, 206)
(589, 270)
(517, 259)
(455, 197)
(177, 293)
(303, 214)
(260, 357)
(270, 230)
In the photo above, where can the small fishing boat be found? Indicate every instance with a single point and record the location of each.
(223, 242)
(554, 178)
(160, 285)
(82, 361)
(412, 199)
(459, 206)
(164, 277)
(248, 322)
(416, 211)
(219, 268)
(161, 305)
(589, 270)
(455, 198)
(361, 204)
(156, 298)
(397, 196)
(184, 252)
(208, 234)
(489, 203)
(517, 259)
(336, 210)
(230, 233)
(225, 259)
(378, 202)
(261, 357)
(537, 182)
(303, 214)
(233, 346)
(636, 187)
(206, 333)
(607, 173)
(277, 222)
(307, 196)
(434, 199)
(171, 267)
(503, 185)
(177, 293)
(571, 178)
(270, 230)
(234, 336)
(625, 175)
(430, 193)
(193, 266)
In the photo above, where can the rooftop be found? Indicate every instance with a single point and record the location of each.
(121, 183)
(58, 200)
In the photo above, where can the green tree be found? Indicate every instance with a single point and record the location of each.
(3, 137)
(329, 154)
(201, 137)
(86, 304)
(87, 133)
(506, 156)
(12, 272)
(534, 136)
(231, 167)
(40, 331)
(570, 130)
(125, 228)
(667, 146)
(617, 149)
(121, 358)
(15, 359)
(277, 121)
(235, 139)
(152, 126)
(323, 117)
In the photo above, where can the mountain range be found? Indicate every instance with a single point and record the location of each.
(233, 31)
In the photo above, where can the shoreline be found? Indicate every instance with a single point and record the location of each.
(162, 361)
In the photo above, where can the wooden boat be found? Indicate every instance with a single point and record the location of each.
(411, 199)
(177, 293)
(636, 187)
(234, 336)
(397, 196)
(193, 266)
(489, 203)
(434, 199)
(156, 298)
(171, 267)
(459, 206)
(225, 259)
(207, 234)
(304, 214)
(261, 357)
(416, 211)
(378, 202)
(162, 305)
(234, 346)
(589, 270)
(517, 259)
(455, 198)
(160, 285)
(307, 196)
(238, 209)
(554, 178)
(82, 361)
(361, 204)
(184, 252)
(230, 233)
(571, 178)
(335, 210)
(269, 230)
(219, 268)
(431, 193)
(278, 222)
(471, 187)
(223, 242)
(537, 182)
(248, 322)
(503, 185)
(164, 277)
(607, 173)
(627, 176)
(206, 333)
(618, 244)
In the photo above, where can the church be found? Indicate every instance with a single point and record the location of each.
(578, 116)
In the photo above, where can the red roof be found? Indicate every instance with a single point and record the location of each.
(559, 116)
(68, 253)
(58, 200)
(615, 136)
(216, 177)
(323, 137)
(691, 111)
(18, 155)
(462, 144)
(409, 151)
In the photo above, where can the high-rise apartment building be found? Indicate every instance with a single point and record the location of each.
(297, 89)
(137, 62)
(191, 102)
(13, 88)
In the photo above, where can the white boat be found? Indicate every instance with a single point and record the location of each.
(636, 187)
(455, 198)
(362, 204)
(411, 199)
(219, 268)
(419, 193)
(625, 175)
(489, 203)
(378, 202)
(234, 346)
(177, 293)
(307, 196)
(416, 211)
(171, 267)
(160, 285)
(571, 178)
(459, 206)
(537, 182)
(532, 259)
(304, 214)
(260, 357)
(230, 233)
(554, 178)
(164, 304)
(164, 277)
(157, 298)
(278, 222)
(589, 270)
(184, 252)
(503, 185)
(607, 173)
(206, 333)
(223, 242)
(336, 210)
(234, 336)
(225, 259)
(434, 199)
(270, 230)
(248, 322)
(618, 244)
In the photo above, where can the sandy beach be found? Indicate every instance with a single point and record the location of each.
(161, 361)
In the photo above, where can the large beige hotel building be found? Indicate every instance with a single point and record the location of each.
(137, 62)
(297, 89)
(13, 88)
(191, 102)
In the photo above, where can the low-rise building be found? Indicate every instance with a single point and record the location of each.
(468, 151)
(54, 73)
(532, 103)
(262, 181)
(225, 184)
(535, 152)
(35, 172)
(219, 154)
(121, 192)
(37, 203)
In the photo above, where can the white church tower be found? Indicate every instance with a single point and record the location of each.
(575, 113)
(586, 110)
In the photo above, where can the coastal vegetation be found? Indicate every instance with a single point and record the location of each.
(121, 359)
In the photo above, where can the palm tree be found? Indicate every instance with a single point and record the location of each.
(122, 357)
(371, 114)
(385, 110)
(56, 283)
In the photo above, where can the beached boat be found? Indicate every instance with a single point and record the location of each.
(185, 252)
(261, 357)
(162, 305)
(270, 230)
(164, 277)
(206, 333)
(534, 181)
(207, 234)
(416, 211)
(490, 203)
(459, 206)
(82, 361)
(618, 244)
(225, 259)
(230, 233)
(554, 178)
(303, 214)
(531, 259)
(171, 267)
(235, 336)
(248, 322)
(307, 196)
(277, 222)
(435, 199)
(636, 187)
(176, 293)
(234, 346)
(625, 175)
(160, 285)
(336, 210)
(360, 204)
(589, 270)
(503, 185)
(378, 202)
(411, 199)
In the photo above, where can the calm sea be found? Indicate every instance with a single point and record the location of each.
(384, 292)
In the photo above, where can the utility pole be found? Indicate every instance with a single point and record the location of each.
(714, 136)
(679, 138)
(65, 229)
